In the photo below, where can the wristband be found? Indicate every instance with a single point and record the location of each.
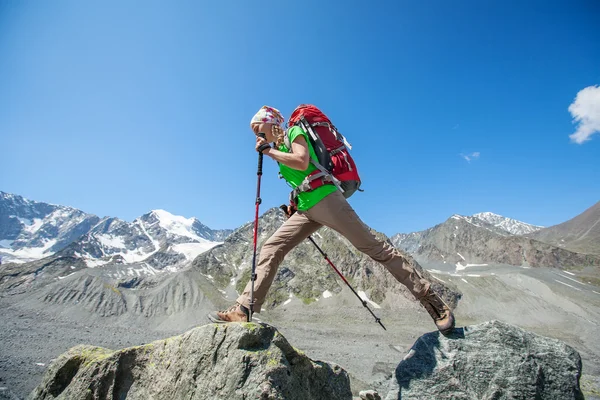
(264, 147)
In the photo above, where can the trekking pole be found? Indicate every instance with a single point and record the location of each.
(364, 302)
(258, 201)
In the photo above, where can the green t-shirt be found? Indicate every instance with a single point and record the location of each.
(295, 177)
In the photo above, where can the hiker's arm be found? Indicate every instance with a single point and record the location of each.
(298, 159)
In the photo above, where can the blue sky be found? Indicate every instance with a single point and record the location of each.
(118, 108)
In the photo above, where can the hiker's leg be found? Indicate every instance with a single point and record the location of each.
(297, 228)
(335, 212)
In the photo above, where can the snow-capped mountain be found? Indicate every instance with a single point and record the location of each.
(31, 230)
(510, 225)
(471, 240)
(118, 242)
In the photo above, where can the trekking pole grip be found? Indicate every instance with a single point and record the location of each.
(260, 156)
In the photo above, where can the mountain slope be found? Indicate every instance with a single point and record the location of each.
(30, 230)
(581, 233)
(147, 239)
(304, 273)
(464, 240)
(41, 243)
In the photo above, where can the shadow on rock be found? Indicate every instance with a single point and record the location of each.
(493, 360)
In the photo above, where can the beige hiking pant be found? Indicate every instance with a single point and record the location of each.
(335, 212)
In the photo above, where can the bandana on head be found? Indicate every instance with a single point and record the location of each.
(268, 115)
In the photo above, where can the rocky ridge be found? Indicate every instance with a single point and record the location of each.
(581, 233)
(463, 240)
(512, 226)
(31, 230)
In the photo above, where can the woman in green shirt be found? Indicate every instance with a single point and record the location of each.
(325, 205)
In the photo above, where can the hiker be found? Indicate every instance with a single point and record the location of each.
(322, 206)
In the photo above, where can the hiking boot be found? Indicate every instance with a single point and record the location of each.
(235, 313)
(439, 311)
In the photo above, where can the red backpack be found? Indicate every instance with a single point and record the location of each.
(335, 165)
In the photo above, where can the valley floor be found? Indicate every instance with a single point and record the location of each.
(337, 329)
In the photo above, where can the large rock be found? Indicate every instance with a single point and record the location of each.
(492, 360)
(231, 361)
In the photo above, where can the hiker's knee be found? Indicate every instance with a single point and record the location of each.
(378, 250)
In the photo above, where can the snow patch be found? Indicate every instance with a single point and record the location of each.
(363, 296)
(566, 284)
(111, 241)
(137, 255)
(91, 263)
(464, 280)
(570, 273)
(460, 255)
(571, 279)
(192, 250)
(327, 294)
(25, 221)
(177, 225)
(287, 301)
(31, 226)
(31, 253)
(66, 276)
(460, 267)
(6, 243)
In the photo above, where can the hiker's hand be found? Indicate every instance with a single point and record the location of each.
(262, 146)
(288, 210)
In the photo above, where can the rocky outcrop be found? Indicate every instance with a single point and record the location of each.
(231, 361)
(493, 360)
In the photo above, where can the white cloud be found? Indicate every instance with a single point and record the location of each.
(586, 113)
(473, 156)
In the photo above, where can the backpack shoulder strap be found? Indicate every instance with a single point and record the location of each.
(286, 140)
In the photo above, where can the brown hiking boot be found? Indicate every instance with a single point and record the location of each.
(439, 311)
(235, 313)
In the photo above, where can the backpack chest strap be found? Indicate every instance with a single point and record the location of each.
(315, 180)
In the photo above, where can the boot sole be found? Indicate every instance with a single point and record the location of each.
(212, 317)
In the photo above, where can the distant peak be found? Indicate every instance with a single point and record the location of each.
(161, 213)
(487, 214)
(166, 216)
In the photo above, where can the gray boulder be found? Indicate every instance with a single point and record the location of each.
(230, 361)
(492, 360)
